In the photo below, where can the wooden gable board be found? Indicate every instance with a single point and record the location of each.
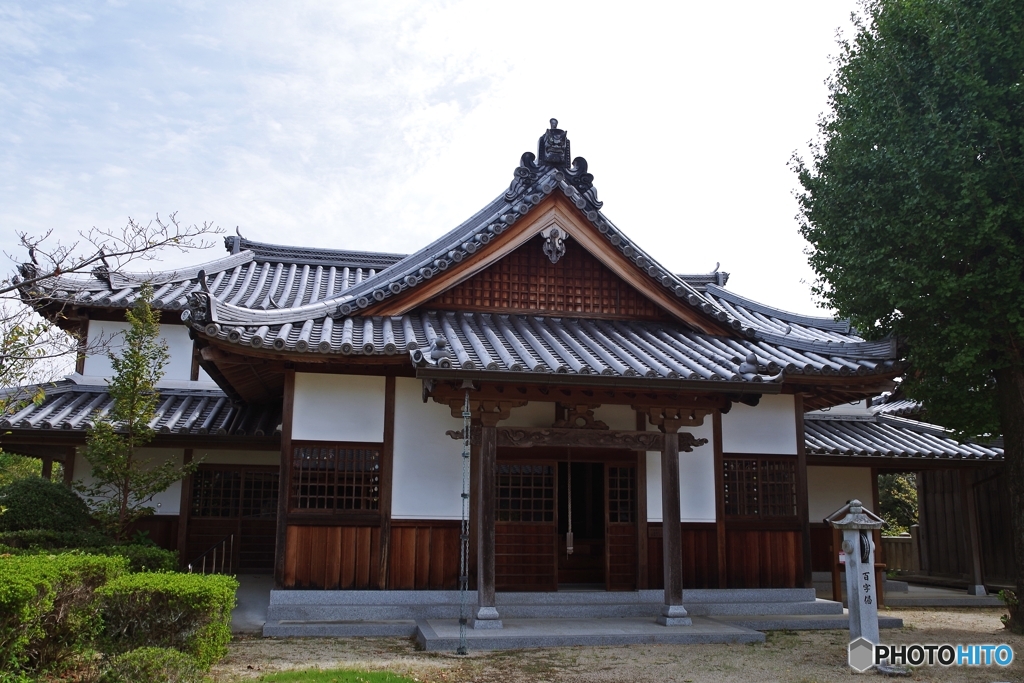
(555, 210)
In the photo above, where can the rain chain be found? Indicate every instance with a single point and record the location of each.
(464, 538)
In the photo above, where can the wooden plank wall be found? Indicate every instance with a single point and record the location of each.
(993, 501)
(942, 532)
(700, 556)
(764, 558)
(524, 557)
(424, 555)
(332, 557)
(821, 548)
(943, 547)
(161, 529)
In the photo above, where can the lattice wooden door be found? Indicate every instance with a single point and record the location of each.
(620, 526)
(525, 543)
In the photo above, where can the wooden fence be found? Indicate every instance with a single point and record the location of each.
(901, 552)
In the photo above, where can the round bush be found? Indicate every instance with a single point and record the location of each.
(35, 503)
(153, 665)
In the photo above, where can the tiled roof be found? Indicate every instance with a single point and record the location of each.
(279, 253)
(896, 403)
(511, 343)
(69, 406)
(891, 437)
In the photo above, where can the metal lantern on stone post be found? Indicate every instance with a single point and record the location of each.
(857, 523)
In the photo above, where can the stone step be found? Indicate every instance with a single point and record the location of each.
(443, 635)
(402, 628)
(800, 622)
(579, 610)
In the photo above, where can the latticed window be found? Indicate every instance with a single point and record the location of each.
(234, 492)
(621, 495)
(760, 487)
(259, 494)
(526, 493)
(336, 478)
(216, 493)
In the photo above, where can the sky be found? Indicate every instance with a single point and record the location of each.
(382, 125)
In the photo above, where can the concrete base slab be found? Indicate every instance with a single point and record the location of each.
(798, 622)
(253, 601)
(339, 629)
(443, 634)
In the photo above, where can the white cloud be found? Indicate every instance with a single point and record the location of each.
(373, 125)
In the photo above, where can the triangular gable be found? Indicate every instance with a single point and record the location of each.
(528, 281)
(555, 211)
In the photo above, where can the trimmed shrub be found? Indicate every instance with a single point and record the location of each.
(36, 503)
(47, 610)
(153, 665)
(141, 558)
(54, 540)
(189, 612)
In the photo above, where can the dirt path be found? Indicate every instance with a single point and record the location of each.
(800, 656)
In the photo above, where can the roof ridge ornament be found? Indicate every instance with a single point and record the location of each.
(553, 146)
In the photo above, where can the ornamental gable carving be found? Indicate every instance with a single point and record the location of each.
(528, 280)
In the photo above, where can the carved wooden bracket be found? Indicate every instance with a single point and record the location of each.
(528, 437)
(580, 417)
(487, 413)
(671, 419)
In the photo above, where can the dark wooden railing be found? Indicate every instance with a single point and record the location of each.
(223, 551)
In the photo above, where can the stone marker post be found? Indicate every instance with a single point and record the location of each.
(856, 523)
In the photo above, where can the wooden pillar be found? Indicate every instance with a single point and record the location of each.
(801, 493)
(47, 472)
(642, 570)
(672, 612)
(723, 569)
(284, 485)
(69, 466)
(387, 465)
(876, 536)
(487, 613)
(184, 508)
(971, 535)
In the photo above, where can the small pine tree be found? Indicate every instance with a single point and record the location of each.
(122, 486)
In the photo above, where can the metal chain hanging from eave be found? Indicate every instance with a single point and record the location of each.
(464, 537)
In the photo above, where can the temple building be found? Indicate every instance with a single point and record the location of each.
(630, 429)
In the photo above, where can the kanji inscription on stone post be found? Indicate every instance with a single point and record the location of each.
(857, 523)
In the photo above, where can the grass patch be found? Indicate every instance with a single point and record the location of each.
(335, 676)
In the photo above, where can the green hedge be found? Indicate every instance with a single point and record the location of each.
(153, 665)
(36, 503)
(141, 558)
(54, 540)
(47, 610)
(188, 612)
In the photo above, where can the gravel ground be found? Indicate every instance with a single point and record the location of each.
(801, 656)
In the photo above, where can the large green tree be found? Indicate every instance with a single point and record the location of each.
(913, 202)
(123, 482)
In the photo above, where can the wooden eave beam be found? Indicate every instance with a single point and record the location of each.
(897, 463)
(445, 392)
(555, 209)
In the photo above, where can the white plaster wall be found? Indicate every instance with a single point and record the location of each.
(167, 502)
(617, 417)
(828, 489)
(179, 346)
(769, 427)
(533, 414)
(427, 475)
(696, 478)
(338, 407)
